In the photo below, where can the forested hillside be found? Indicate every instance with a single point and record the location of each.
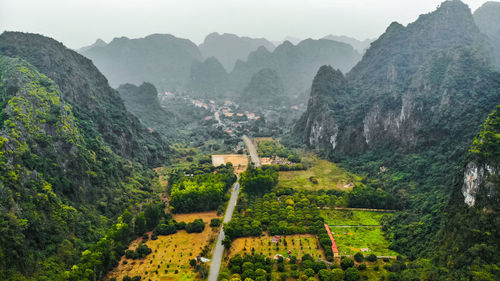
(61, 184)
(406, 114)
(143, 102)
(208, 78)
(265, 87)
(470, 235)
(95, 103)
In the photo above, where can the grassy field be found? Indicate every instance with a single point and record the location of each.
(299, 244)
(349, 217)
(351, 240)
(170, 253)
(327, 174)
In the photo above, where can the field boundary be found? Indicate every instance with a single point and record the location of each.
(335, 250)
(359, 209)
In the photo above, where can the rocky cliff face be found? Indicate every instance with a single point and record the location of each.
(470, 229)
(407, 87)
(87, 90)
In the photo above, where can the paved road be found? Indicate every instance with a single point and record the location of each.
(219, 248)
(252, 151)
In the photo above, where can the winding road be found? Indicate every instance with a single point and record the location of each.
(219, 248)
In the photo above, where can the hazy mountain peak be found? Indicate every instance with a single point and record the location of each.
(487, 19)
(229, 48)
(98, 43)
(358, 45)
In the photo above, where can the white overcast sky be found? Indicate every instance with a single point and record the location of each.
(79, 22)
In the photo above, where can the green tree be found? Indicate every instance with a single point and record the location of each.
(352, 274)
(140, 224)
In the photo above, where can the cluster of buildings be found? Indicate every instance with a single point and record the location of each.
(228, 118)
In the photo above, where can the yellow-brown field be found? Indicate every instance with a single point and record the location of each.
(170, 253)
(298, 244)
(239, 161)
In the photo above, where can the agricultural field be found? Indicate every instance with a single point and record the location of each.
(351, 240)
(239, 161)
(169, 260)
(352, 217)
(298, 244)
(321, 174)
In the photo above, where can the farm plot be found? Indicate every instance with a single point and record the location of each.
(369, 240)
(352, 217)
(171, 254)
(239, 161)
(322, 174)
(298, 245)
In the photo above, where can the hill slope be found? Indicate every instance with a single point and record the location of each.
(61, 184)
(470, 235)
(406, 113)
(95, 103)
(161, 59)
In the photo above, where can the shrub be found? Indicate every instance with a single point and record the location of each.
(362, 266)
(235, 269)
(371, 258)
(196, 226)
(143, 250)
(359, 257)
(309, 272)
(295, 274)
(338, 274)
(215, 222)
(352, 274)
(346, 263)
(319, 266)
(180, 225)
(130, 254)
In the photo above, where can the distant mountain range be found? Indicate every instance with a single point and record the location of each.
(176, 64)
(162, 59)
(360, 46)
(487, 18)
(228, 48)
(295, 64)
